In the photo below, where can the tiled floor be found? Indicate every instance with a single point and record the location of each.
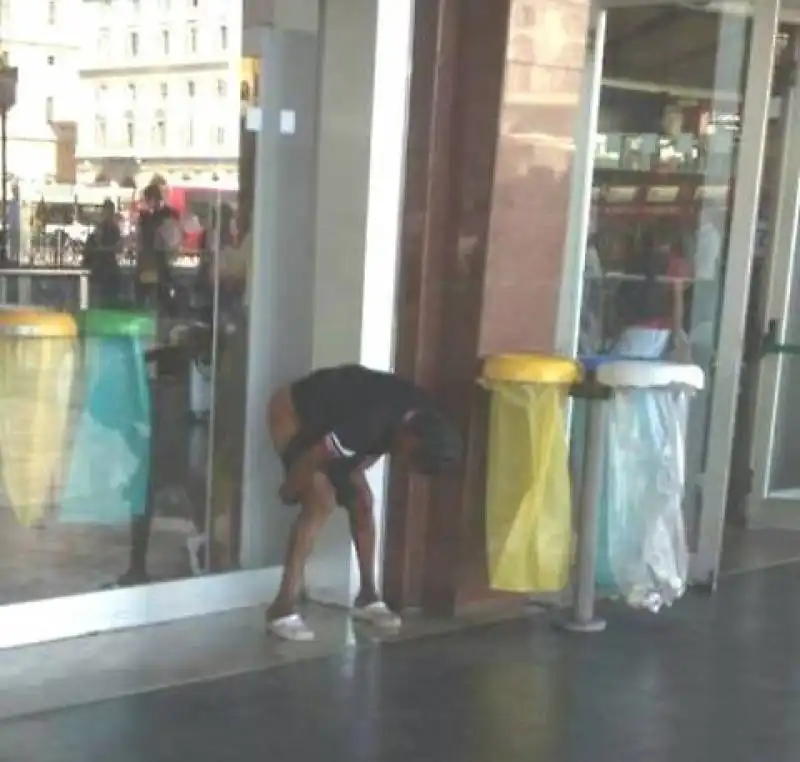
(85, 670)
(746, 550)
(713, 679)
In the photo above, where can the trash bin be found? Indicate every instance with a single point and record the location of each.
(37, 366)
(642, 551)
(109, 471)
(528, 502)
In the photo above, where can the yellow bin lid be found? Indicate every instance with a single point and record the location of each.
(532, 369)
(36, 323)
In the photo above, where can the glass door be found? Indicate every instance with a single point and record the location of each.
(669, 195)
(774, 500)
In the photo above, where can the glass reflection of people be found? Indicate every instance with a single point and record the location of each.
(651, 301)
(157, 229)
(100, 257)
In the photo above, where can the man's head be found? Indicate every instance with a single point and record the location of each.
(429, 441)
(153, 196)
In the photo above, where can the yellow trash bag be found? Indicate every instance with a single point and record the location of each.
(528, 500)
(37, 364)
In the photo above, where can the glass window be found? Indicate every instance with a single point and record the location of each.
(140, 467)
(662, 183)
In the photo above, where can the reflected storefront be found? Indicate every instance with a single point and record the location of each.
(208, 223)
(683, 235)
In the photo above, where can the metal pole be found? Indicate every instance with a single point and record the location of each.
(583, 618)
(83, 292)
(4, 175)
(212, 413)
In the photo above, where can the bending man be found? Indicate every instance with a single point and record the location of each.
(329, 428)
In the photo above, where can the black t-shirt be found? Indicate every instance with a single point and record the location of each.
(358, 409)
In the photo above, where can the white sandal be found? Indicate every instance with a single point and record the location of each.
(379, 615)
(291, 628)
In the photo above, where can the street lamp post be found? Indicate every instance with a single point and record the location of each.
(8, 97)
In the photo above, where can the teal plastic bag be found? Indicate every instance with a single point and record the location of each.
(108, 477)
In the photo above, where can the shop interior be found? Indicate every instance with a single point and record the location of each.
(664, 176)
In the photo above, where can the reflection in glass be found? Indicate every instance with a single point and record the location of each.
(121, 292)
(668, 129)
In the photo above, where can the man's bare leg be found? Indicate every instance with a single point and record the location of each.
(317, 505)
(362, 529)
(369, 605)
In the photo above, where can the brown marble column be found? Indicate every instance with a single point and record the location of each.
(545, 55)
(465, 233)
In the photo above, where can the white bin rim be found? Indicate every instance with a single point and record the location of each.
(650, 374)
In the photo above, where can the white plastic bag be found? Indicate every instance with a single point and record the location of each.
(643, 549)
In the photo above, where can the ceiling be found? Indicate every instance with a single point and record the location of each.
(670, 45)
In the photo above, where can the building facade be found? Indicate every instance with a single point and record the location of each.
(41, 39)
(160, 83)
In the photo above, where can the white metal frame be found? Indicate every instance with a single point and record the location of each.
(736, 289)
(570, 295)
(705, 562)
(766, 508)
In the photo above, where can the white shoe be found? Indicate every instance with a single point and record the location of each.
(291, 628)
(379, 615)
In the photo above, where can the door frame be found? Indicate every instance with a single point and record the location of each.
(766, 508)
(704, 562)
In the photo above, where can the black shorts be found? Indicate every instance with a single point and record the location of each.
(338, 470)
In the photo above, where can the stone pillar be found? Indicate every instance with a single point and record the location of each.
(494, 96)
